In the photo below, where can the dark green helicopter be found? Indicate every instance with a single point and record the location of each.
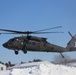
(34, 43)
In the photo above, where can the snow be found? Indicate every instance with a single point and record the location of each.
(73, 64)
(25, 65)
(43, 68)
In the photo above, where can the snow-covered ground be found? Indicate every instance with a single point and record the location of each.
(44, 68)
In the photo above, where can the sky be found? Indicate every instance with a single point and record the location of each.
(32, 15)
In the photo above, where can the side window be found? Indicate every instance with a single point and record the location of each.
(22, 43)
(33, 43)
(29, 43)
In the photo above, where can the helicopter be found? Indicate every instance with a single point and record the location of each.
(34, 43)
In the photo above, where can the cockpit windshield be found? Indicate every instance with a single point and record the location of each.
(11, 40)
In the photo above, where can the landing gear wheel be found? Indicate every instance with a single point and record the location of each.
(16, 52)
(24, 52)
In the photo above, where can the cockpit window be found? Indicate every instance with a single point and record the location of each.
(16, 40)
(11, 40)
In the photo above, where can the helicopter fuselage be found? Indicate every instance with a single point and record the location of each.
(34, 44)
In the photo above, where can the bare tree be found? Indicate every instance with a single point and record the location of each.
(59, 60)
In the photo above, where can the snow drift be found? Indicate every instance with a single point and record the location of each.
(45, 68)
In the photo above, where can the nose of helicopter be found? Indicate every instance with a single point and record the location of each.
(5, 45)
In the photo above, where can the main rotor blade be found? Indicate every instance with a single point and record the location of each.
(48, 29)
(32, 33)
(18, 33)
(28, 32)
(46, 32)
(15, 33)
(10, 30)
